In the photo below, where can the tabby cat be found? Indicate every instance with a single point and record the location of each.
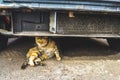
(46, 48)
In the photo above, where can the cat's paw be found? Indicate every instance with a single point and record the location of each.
(31, 64)
(58, 58)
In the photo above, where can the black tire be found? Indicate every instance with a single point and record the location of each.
(3, 39)
(114, 43)
(3, 42)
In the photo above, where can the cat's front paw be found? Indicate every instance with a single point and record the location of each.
(58, 58)
(31, 63)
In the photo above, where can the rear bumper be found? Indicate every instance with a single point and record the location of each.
(55, 21)
(81, 6)
(8, 33)
(60, 24)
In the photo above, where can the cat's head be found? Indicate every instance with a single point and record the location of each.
(41, 41)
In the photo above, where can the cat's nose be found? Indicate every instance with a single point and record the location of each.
(41, 42)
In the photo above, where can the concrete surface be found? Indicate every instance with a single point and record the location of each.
(83, 59)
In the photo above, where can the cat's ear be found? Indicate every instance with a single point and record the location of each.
(36, 38)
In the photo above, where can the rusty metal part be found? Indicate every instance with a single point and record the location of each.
(71, 14)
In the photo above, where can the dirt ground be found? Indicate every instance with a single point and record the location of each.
(83, 59)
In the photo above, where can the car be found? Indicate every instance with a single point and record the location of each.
(60, 18)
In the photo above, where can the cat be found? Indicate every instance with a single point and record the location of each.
(46, 48)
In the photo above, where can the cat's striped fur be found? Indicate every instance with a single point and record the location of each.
(46, 48)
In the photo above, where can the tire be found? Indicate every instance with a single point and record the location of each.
(3, 39)
(3, 42)
(114, 43)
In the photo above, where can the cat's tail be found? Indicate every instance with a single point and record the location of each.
(24, 65)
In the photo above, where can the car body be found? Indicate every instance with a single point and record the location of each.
(73, 18)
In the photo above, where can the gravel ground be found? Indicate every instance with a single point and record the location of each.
(83, 59)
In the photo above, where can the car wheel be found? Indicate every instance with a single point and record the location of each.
(114, 43)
